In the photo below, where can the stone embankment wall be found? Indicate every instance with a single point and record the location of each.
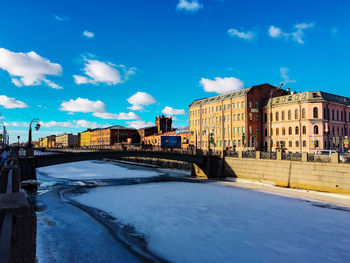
(328, 177)
(160, 162)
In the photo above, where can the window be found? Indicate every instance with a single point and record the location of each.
(257, 105)
(296, 130)
(265, 117)
(238, 117)
(220, 108)
(238, 105)
(225, 107)
(242, 116)
(250, 104)
(337, 115)
(315, 111)
(238, 130)
(234, 117)
(290, 144)
(289, 115)
(283, 131)
(296, 114)
(282, 115)
(290, 130)
(271, 117)
(242, 104)
(277, 116)
(304, 129)
(250, 129)
(297, 142)
(315, 129)
(271, 131)
(250, 116)
(257, 117)
(304, 143)
(265, 132)
(234, 105)
(234, 130)
(303, 113)
(257, 130)
(217, 108)
(332, 114)
(277, 132)
(341, 115)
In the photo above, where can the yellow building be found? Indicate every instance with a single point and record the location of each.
(84, 138)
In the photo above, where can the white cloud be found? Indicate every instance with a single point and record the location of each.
(88, 34)
(297, 35)
(248, 35)
(83, 105)
(103, 72)
(65, 124)
(28, 69)
(59, 18)
(139, 100)
(222, 85)
(11, 103)
(139, 124)
(120, 116)
(284, 75)
(189, 5)
(171, 111)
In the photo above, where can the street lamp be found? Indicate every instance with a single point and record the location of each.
(18, 140)
(270, 112)
(37, 127)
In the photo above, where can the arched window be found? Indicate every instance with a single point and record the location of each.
(290, 130)
(296, 130)
(296, 114)
(315, 112)
(315, 129)
(277, 116)
(283, 131)
(303, 113)
(304, 129)
(289, 115)
(282, 115)
(271, 117)
(277, 132)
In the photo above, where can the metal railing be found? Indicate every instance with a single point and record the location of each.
(291, 156)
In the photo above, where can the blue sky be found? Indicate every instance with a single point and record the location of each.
(167, 52)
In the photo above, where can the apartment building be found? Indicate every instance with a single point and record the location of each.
(113, 135)
(230, 121)
(67, 140)
(84, 138)
(303, 122)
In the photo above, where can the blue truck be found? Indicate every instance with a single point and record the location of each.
(170, 141)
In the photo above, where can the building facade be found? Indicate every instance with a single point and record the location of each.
(67, 140)
(304, 122)
(84, 138)
(113, 135)
(230, 121)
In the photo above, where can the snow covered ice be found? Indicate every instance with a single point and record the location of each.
(88, 170)
(207, 222)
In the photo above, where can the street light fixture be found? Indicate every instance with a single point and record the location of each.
(37, 127)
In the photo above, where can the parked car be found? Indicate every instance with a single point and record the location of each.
(343, 158)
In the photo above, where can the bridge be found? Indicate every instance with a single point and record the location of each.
(204, 164)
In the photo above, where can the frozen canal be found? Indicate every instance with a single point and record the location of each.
(109, 212)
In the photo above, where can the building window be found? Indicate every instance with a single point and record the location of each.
(337, 115)
(289, 115)
(238, 105)
(332, 114)
(250, 129)
(265, 117)
(315, 110)
(341, 115)
(265, 132)
(333, 130)
(238, 117)
(250, 104)
(304, 129)
(234, 130)
(271, 131)
(277, 132)
(290, 130)
(282, 115)
(290, 144)
(315, 129)
(217, 108)
(234, 105)
(220, 108)
(257, 105)
(283, 131)
(296, 114)
(242, 116)
(296, 143)
(257, 117)
(242, 104)
(303, 113)
(234, 117)
(250, 116)
(296, 130)
(257, 130)
(304, 143)
(238, 130)
(271, 117)
(277, 116)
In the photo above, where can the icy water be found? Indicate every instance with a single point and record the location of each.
(111, 212)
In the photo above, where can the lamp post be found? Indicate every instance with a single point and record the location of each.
(18, 140)
(30, 151)
(271, 115)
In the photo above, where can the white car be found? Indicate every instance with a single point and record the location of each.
(343, 158)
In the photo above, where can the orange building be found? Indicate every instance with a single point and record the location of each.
(113, 135)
